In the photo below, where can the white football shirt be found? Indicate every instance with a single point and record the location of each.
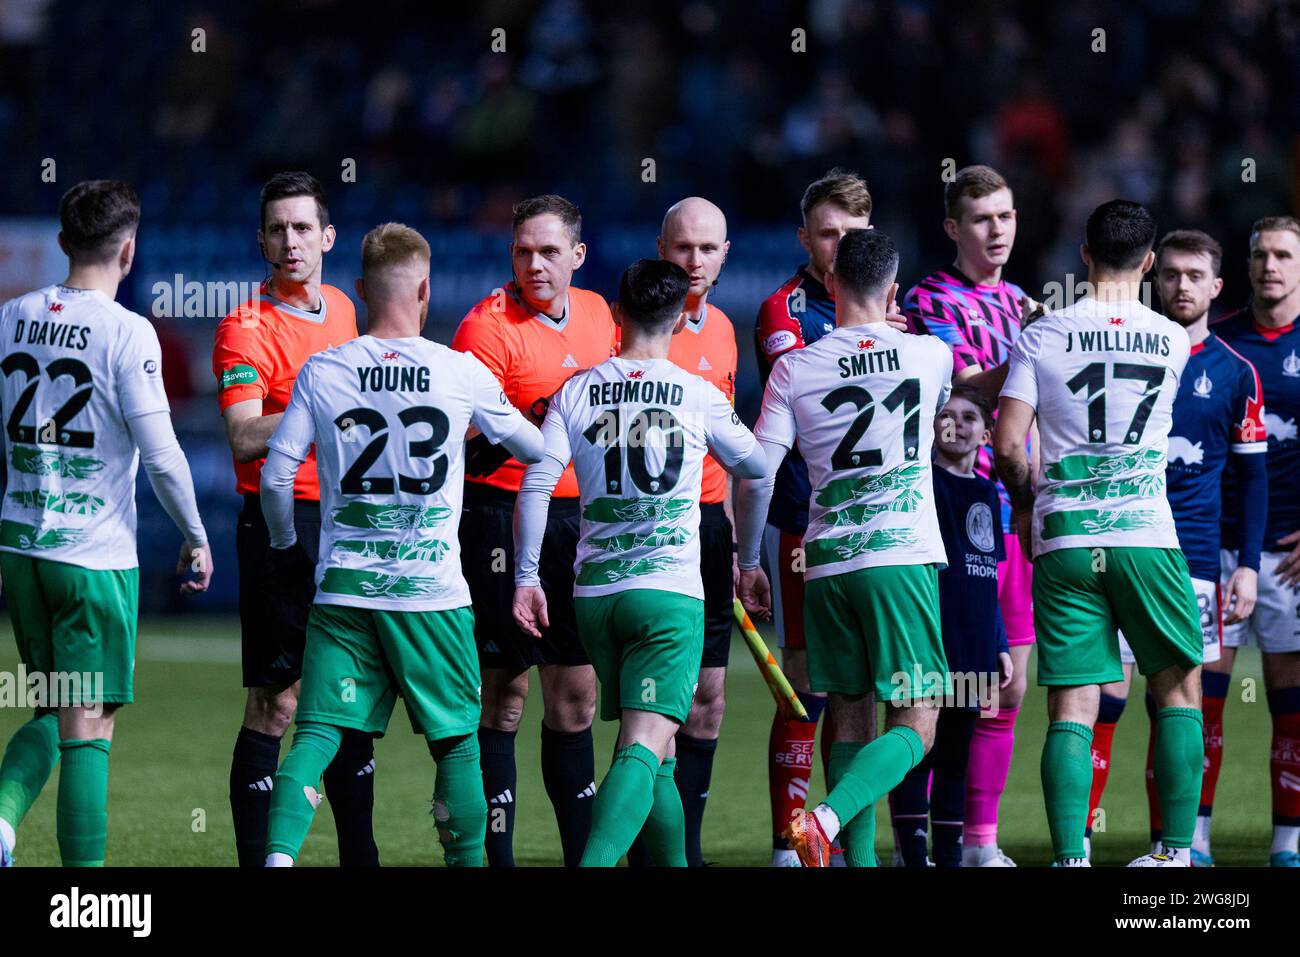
(1102, 377)
(77, 367)
(388, 419)
(861, 403)
(637, 431)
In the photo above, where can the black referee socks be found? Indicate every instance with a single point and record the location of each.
(350, 788)
(694, 772)
(252, 773)
(569, 773)
(497, 757)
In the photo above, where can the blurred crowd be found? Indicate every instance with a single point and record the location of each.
(452, 113)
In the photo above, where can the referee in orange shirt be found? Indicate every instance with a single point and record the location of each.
(260, 347)
(533, 334)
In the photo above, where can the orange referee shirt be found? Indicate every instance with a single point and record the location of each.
(533, 355)
(708, 349)
(260, 346)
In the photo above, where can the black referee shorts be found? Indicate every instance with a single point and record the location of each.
(487, 557)
(715, 570)
(273, 629)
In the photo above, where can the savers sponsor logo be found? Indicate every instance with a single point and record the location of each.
(238, 375)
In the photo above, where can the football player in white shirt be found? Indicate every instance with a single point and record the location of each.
(84, 405)
(388, 414)
(1100, 376)
(637, 428)
(859, 402)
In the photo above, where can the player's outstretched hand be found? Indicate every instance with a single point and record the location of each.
(1007, 667)
(755, 593)
(530, 610)
(1239, 596)
(1288, 569)
(196, 560)
(1030, 311)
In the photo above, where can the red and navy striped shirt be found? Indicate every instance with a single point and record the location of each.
(1218, 413)
(799, 313)
(1275, 354)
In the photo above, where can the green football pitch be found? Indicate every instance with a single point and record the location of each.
(170, 762)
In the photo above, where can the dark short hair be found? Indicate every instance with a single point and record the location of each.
(976, 397)
(286, 185)
(866, 262)
(95, 216)
(1191, 241)
(555, 205)
(652, 292)
(1119, 234)
(839, 186)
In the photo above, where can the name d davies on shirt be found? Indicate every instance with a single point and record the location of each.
(63, 334)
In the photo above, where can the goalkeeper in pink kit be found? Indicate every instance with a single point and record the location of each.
(979, 315)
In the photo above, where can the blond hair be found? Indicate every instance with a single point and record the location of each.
(392, 244)
(844, 188)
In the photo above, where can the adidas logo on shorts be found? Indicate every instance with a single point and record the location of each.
(588, 791)
(266, 784)
(505, 797)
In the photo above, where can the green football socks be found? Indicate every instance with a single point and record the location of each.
(28, 762)
(295, 795)
(872, 772)
(82, 819)
(857, 835)
(1178, 763)
(1067, 778)
(621, 805)
(665, 828)
(459, 808)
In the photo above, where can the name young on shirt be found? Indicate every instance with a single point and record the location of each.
(40, 333)
(393, 378)
(1107, 340)
(866, 363)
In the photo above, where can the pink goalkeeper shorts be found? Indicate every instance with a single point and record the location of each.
(1015, 576)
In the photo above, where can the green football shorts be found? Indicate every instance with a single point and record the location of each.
(876, 629)
(358, 660)
(1082, 596)
(76, 626)
(646, 645)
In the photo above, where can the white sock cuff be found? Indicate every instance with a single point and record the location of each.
(828, 820)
